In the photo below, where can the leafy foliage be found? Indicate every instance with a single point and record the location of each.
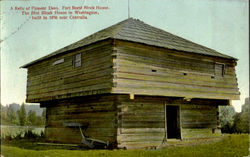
(226, 118)
(232, 122)
(14, 114)
(35, 120)
(241, 120)
(31, 117)
(244, 117)
(11, 116)
(3, 115)
(22, 115)
(27, 134)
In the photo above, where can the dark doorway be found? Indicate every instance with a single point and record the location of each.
(173, 126)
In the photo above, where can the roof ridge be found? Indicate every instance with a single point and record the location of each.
(174, 38)
(135, 30)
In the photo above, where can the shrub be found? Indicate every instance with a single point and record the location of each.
(27, 134)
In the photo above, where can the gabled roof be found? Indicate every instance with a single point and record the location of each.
(138, 31)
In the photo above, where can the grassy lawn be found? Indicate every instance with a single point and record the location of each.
(230, 146)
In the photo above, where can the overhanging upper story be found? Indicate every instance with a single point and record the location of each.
(132, 57)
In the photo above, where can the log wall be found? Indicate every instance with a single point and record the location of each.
(98, 112)
(130, 123)
(48, 82)
(119, 67)
(147, 70)
(163, 76)
(141, 121)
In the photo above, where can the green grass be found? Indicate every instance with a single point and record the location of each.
(230, 146)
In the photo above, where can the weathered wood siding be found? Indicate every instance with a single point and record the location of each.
(97, 111)
(130, 123)
(199, 121)
(121, 67)
(199, 116)
(141, 121)
(147, 70)
(48, 82)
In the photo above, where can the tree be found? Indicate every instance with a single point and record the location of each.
(3, 114)
(226, 118)
(236, 124)
(44, 113)
(39, 121)
(22, 115)
(232, 122)
(31, 117)
(244, 117)
(11, 116)
(44, 116)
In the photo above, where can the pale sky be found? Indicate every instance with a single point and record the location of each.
(218, 24)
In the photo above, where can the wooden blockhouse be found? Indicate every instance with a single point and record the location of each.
(133, 85)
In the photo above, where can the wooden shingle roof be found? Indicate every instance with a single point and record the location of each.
(137, 31)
